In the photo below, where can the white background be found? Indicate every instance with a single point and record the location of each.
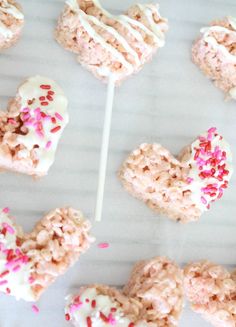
(169, 102)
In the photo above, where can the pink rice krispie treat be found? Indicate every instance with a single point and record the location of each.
(107, 44)
(32, 126)
(11, 23)
(30, 263)
(152, 297)
(181, 188)
(211, 289)
(215, 53)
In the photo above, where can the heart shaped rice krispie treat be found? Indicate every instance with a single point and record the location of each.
(30, 263)
(211, 289)
(11, 23)
(215, 54)
(181, 188)
(32, 126)
(152, 297)
(111, 44)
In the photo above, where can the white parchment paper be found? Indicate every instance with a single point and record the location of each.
(169, 102)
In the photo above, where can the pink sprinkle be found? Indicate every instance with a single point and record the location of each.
(12, 121)
(35, 308)
(48, 145)
(212, 130)
(189, 180)
(104, 245)
(38, 116)
(31, 280)
(111, 319)
(6, 210)
(37, 111)
(75, 307)
(204, 201)
(25, 110)
(26, 116)
(39, 133)
(58, 116)
(16, 268)
(8, 228)
(3, 282)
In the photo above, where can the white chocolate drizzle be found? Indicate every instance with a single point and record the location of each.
(153, 31)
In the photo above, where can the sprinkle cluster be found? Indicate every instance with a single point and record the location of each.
(109, 319)
(36, 118)
(14, 258)
(211, 163)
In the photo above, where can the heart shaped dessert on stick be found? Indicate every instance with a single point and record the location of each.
(111, 44)
(30, 263)
(112, 47)
(152, 297)
(11, 23)
(211, 289)
(215, 54)
(31, 127)
(181, 188)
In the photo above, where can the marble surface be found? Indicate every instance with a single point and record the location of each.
(169, 102)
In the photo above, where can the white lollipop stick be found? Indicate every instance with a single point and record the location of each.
(105, 148)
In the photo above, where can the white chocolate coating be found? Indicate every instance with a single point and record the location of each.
(91, 304)
(42, 136)
(16, 280)
(206, 186)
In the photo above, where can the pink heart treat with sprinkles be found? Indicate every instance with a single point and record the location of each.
(152, 297)
(30, 263)
(181, 188)
(32, 126)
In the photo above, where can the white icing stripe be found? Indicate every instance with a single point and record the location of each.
(207, 37)
(122, 40)
(124, 20)
(6, 32)
(90, 30)
(127, 22)
(232, 21)
(84, 21)
(155, 28)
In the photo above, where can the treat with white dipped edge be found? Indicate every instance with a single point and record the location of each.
(215, 54)
(152, 297)
(11, 23)
(32, 126)
(211, 289)
(181, 188)
(30, 263)
(107, 44)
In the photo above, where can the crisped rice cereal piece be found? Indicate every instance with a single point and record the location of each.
(182, 188)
